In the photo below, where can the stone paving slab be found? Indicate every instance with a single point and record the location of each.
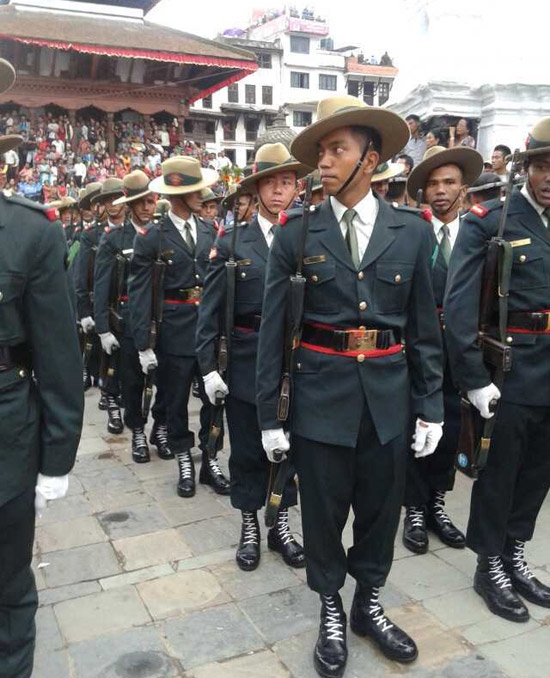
(254, 665)
(132, 521)
(154, 548)
(84, 563)
(69, 534)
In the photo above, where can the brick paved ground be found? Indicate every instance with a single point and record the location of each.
(138, 583)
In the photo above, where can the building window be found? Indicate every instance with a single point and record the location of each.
(229, 125)
(327, 82)
(264, 60)
(299, 44)
(210, 130)
(250, 155)
(353, 88)
(250, 94)
(233, 94)
(267, 95)
(300, 80)
(251, 127)
(383, 92)
(301, 118)
(368, 93)
(188, 126)
(207, 101)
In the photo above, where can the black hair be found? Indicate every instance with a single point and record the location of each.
(505, 150)
(413, 116)
(407, 159)
(367, 135)
(487, 194)
(396, 190)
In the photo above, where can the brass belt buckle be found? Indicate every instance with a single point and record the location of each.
(362, 339)
(547, 322)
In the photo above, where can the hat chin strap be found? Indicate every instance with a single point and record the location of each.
(450, 206)
(273, 214)
(356, 169)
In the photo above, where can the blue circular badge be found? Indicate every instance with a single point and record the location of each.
(462, 460)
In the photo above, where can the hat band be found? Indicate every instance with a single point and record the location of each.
(131, 192)
(179, 179)
(384, 167)
(263, 165)
(533, 144)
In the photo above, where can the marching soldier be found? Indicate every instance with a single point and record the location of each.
(317, 191)
(69, 216)
(40, 417)
(182, 241)
(368, 288)
(510, 490)
(246, 204)
(381, 179)
(443, 176)
(275, 184)
(112, 317)
(488, 186)
(209, 206)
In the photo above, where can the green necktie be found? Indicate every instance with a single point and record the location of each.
(351, 236)
(188, 237)
(445, 244)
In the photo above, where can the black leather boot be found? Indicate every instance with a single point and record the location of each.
(280, 539)
(331, 653)
(211, 474)
(493, 584)
(140, 451)
(159, 438)
(248, 551)
(367, 619)
(86, 379)
(439, 522)
(186, 468)
(103, 403)
(415, 536)
(523, 580)
(114, 423)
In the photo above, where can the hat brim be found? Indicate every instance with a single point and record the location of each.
(7, 76)
(393, 130)
(250, 182)
(394, 170)
(527, 154)
(468, 159)
(9, 142)
(100, 197)
(209, 177)
(131, 198)
(216, 198)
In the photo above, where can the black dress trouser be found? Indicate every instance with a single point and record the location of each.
(249, 466)
(18, 596)
(368, 478)
(508, 495)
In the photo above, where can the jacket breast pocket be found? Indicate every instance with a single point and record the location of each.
(528, 268)
(392, 285)
(321, 288)
(250, 285)
(11, 311)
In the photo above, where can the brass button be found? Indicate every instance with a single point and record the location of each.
(509, 340)
(362, 327)
(363, 306)
(169, 262)
(197, 287)
(197, 303)
(22, 374)
(243, 275)
(298, 366)
(1, 296)
(522, 258)
(360, 275)
(197, 276)
(314, 278)
(397, 278)
(360, 358)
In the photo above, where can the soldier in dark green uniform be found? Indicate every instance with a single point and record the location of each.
(368, 288)
(41, 401)
(511, 489)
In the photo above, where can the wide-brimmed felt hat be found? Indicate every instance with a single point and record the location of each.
(468, 159)
(485, 182)
(208, 195)
(135, 186)
(538, 141)
(90, 190)
(272, 159)
(111, 187)
(181, 175)
(348, 111)
(7, 77)
(386, 171)
(232, 192)
(64, 204)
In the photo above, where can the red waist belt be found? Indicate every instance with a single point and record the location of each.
(353, 343)
(190, 295)
(529, 322)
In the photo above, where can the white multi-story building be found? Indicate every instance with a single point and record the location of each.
(298, 67)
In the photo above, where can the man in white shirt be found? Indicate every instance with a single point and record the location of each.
(443, 176)
(79, 172)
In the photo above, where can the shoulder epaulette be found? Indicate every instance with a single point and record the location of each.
(479, 211)
(50, 213)
(285, 215)
(143, 231)
(425, 213)
(107, 229)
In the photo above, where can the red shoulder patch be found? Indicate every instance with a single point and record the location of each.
(221, 231)
(107, 229)
(142, 231)
(283, 218)
(52, 214)
(216, 225)
(479, 210)
(427, 215)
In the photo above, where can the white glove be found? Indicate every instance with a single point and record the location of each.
(425, 438)
(148, 360)
(482, 397)
(109, 342)
(47, 489)
(276, 443)
(88, 324)
(215, 387)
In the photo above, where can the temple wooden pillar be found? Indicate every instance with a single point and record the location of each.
(72, 120)
(111, 133)
(183, 112)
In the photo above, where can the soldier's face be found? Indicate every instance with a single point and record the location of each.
(87, 215)
(245, 207)
(144, 209)
(114, 212)
(209, 210)
(381, 187)
(277, 192)
(444, 190)
(3, 180)
(539, 179)
(66, 217)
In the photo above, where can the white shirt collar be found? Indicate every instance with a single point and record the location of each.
(266, 226)
(367, 209)
(111, 225)
(534, 204)
(179, 223)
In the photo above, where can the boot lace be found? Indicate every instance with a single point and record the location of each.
(439, 506)
(249, 528)
(333, 621)
(416, 516)
(376, 611)
(497, 573)
(283, 528)
(215, 467)
(139, 437)
(161, 434)
(519, 560)
(85, 375)
(185, 465)
(113, 407)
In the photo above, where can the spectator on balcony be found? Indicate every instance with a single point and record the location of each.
(436, 137)
(460, 136)
(79, 172)
(386, 60)
(416, 146)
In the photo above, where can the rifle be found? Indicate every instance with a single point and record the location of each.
(295, 312)
(88, 345)
(157, 311)
(475, 432)
(225, 338)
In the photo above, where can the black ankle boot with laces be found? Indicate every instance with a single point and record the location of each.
(493, 584)
(211, 474)
(159, 438)
(439, 522)
(280, 539)
(248, 551)
(522, 578)
(186, 469)
(140, 450)
(114, 422)
(415, 535)
(331, 653)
